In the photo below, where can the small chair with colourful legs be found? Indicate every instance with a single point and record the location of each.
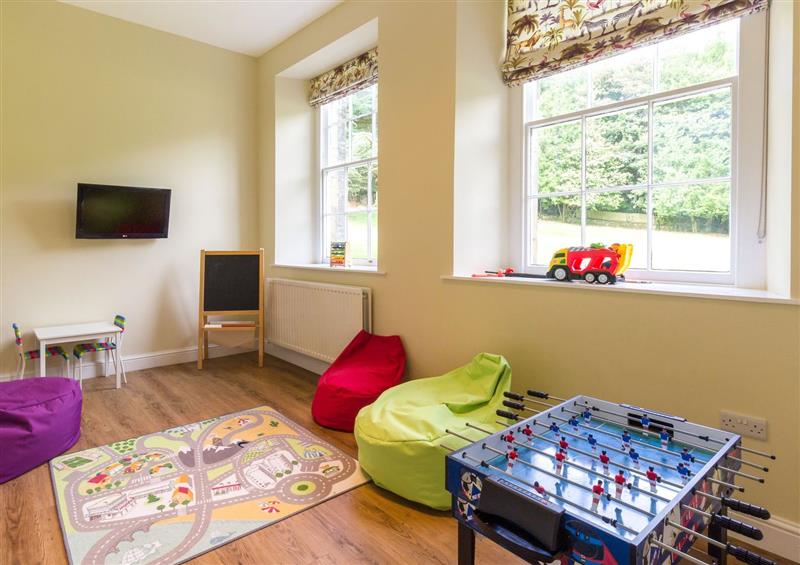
(33, 354)
(111, 348)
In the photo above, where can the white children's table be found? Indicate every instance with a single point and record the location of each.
(73, 333)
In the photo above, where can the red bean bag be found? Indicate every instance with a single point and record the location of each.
(369, 365)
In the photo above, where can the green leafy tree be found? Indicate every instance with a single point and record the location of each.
(691, 140)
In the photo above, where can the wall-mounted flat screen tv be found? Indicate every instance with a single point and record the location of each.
(122, 212)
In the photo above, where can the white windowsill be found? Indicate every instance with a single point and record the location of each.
(717, 292)
(365, 269)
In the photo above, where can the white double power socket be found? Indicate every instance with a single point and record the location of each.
(749, 426)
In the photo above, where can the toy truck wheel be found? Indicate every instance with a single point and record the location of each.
(561, 273)
(590, 277)
(605, 278)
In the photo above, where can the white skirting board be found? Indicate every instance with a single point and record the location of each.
(94, 368)
(316, 366)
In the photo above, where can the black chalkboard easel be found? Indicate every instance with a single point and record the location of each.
(231, 283)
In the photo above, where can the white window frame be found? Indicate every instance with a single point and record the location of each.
(748, 257)
(371, 208)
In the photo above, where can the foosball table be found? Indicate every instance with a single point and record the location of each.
(583, 480)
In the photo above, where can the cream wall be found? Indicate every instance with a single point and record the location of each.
(296, 161)
(687, 356)
(481, 199)
(88, 98)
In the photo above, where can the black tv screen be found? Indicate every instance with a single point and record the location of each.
(116, 212)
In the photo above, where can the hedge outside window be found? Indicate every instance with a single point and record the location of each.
(638, 149)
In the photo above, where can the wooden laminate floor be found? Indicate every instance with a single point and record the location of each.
(365, 525)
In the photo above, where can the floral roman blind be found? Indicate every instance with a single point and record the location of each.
(348, 77)
(547, 36)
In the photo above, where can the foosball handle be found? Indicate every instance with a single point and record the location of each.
(736, 526)
(747, 556)
(514, 405)
(538, 394)
(746, 508)
(513, 395)
(506, 414)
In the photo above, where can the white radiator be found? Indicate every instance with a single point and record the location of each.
(316, 319)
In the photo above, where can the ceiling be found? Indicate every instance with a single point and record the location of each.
(249, 27)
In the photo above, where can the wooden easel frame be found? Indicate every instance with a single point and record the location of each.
(203, 314)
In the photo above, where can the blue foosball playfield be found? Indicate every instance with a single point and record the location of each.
(583, 480)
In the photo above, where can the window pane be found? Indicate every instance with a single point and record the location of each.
(335, 111)
(691, 228)
(701, 56)
(335, 193)
(337, 141)
(362, 142)
(561, 93)
(555, 158)
(357, 187)
(622, 77)
(373, 170)
(619, 217)
(362, 101)
(334, 229)
(357, 235)
(555, 223)
(616, 149)
(692, 137)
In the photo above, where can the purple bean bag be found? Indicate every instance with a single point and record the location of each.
(39, 419)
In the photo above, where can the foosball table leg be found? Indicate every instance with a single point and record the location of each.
(466, 545)
(720, 534)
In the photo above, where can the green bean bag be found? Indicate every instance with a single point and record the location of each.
(400, 435)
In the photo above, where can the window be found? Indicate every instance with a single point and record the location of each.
(349, 174)
(640, 148)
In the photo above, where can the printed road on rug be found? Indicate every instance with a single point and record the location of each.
(169, 496)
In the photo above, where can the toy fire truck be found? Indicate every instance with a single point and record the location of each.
(594, 264)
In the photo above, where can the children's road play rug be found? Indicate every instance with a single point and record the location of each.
(170, 496)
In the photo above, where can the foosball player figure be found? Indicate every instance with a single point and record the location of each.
(664, 438)
(597, 492)
(684, 472)
(619, 480)
(653, 477)
(539, 489)
(592, 442)
(509, 439)
(645, 421)
(626, 440)
(587, 415)
(686, 456)
(560, 456)
(573, 421)
(634, 455)
(528, 431)
(604, 459)
(512, 456)
(563, 444)
(554, 428)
